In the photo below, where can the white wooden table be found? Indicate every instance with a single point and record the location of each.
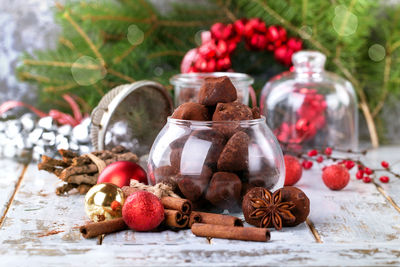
(359, 225)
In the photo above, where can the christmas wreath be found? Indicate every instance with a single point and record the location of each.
(220, 42)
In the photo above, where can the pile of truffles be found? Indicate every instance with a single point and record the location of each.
(210, 165)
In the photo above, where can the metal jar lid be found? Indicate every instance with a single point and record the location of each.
(131, 115)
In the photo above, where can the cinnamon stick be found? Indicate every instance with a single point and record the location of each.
(180, 204)
(175, 219)
(105, 227)
(231, 232)
(219, 219)
(194, 218)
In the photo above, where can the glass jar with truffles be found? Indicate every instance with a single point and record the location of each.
(187, 85)
(213, 151)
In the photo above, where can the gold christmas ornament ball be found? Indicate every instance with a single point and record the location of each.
(104, 202)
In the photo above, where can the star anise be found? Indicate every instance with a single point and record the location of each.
(271, 210)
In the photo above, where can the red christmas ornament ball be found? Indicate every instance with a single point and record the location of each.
(293, 170)
(120, 173)
(336, 177)
(142, 211)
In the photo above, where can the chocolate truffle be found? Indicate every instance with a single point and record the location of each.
(175, 158)
(191, 111)
(193, 186)
(256, 113)
(247, 208)
(217, 90)
(234, 157)
(224, 190)
(167, 175)
(232, 112)
(216, 143)
(301, 202)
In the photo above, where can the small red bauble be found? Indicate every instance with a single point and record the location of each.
(368, 171)
(143, 211)
(384, 179)
(293, 170)
(385, 164)
(120, 173)
(336, 177)
(328, 151)
(312, 153)
(307, 164)
(367, 179)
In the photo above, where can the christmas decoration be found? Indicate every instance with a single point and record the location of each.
(100, 202)
(218, 45)
(82, 172)
(347, 158)
(101, 44)
(120, 173)
(143, 211)
(296, 107)
(293, 170)
(214, 163)
(336, 177)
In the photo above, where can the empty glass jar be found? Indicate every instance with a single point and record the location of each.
(311, 107)
(214, 163)
(187, 85)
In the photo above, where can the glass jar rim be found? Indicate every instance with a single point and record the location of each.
(196, 78)
(211, 123)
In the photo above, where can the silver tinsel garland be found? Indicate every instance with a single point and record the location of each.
(27, 138)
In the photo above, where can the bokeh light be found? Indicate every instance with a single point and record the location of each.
(376, 52)
(87, 70)
(135, 35)
(345, 22)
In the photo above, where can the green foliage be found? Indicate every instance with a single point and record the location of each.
(361, 39)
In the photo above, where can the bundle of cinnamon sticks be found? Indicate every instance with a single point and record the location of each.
(80, 171)
(179, 215)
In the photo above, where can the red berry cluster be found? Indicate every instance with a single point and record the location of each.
(310, 118)
(364, 173)
(214, 54)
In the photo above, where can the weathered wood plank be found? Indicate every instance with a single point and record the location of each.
(358, 213)
(39, 216)
(9, 175)
(244, 254)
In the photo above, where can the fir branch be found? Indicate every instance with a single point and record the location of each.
(120, 75)
(85, 37)
(385, 91)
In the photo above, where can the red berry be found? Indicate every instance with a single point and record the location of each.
(368, 171)
(115, 205)
(360, 167)
(385, 165)
(349, 164)
(293, 170)
(307, 164)
(384, 179)
(359, 174)
(143, 211)
(320, 159)
(336, 177)
(367, 179)
(312, 153)
(328, 151)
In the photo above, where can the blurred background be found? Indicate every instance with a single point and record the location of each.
(40, 30)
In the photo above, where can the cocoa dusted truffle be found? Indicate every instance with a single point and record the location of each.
(234, 157)
(191, 111)
(232, 112)
(256, 112)
(217, 90)
(193, 186)
(301, 204)
(167, 175)
(224, 190)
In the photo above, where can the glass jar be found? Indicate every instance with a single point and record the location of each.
(311, 107)
(187, 85)
(214, 163)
